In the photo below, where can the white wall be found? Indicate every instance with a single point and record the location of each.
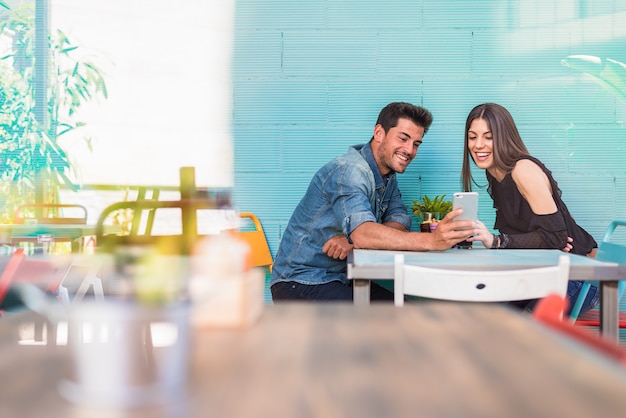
(167, 68)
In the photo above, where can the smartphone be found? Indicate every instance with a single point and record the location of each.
(469, 202)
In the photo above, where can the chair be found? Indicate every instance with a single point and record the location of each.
(138, 214)
(44, 273)
(261, 254)
(550, 311)
(87, 272)
(607, 251)
(50, 274)
(479, 286)
(47, 274)
(168, 244)
(49, 213)
(21, 270)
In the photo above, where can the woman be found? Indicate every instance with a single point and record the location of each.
(529, 210)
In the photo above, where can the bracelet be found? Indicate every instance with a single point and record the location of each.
(496, 242)
(504, 241)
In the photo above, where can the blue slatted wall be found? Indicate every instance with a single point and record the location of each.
(310, 78)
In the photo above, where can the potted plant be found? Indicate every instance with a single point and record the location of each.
(429, 211)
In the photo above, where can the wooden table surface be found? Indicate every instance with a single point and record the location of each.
(433, 359)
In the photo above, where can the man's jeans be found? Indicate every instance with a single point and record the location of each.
(333, 291)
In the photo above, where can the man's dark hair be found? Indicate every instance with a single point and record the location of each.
(389, 115)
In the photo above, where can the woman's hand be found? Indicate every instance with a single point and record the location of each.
(568, 246)
(482, 234)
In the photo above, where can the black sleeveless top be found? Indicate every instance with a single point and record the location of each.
(525, 229)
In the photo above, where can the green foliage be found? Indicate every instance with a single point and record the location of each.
(32, 163)
(436, 204)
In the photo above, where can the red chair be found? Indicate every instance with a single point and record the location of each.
(43, 273)
(592, 319)
(47, 274)
(550, 311)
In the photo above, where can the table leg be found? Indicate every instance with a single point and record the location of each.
(609, 310)
(51, 333)
(361, 291)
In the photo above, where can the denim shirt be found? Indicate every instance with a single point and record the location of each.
(342, 195)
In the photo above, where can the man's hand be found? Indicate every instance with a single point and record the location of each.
(337, 247)
(450, 232)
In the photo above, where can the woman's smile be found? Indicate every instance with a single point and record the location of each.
(480, 143)
(481, 156)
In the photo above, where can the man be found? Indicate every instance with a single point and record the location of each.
(354, 202)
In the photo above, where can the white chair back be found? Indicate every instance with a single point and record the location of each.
(479, 286)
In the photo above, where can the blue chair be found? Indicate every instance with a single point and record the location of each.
(607, 251)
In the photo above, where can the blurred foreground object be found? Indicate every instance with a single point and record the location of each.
(119, 359)
(224, 289)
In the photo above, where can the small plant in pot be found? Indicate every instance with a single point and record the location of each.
(429, 211)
